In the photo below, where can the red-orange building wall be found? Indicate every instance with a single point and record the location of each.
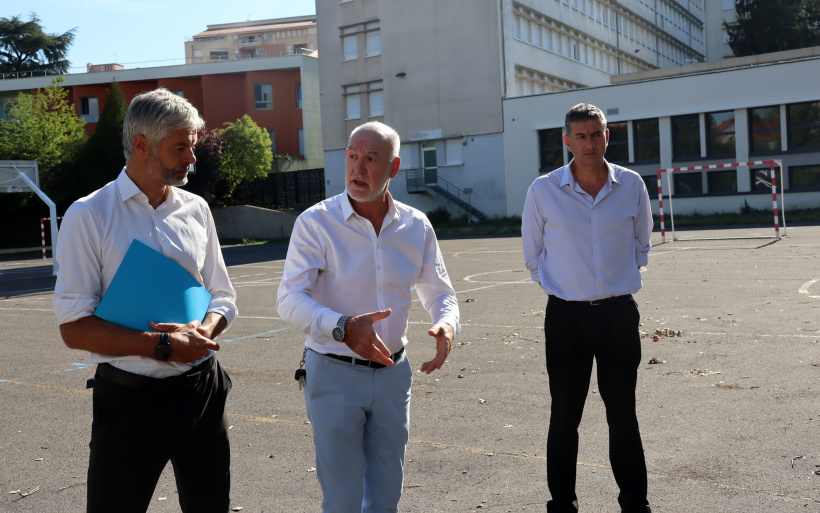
(221, 98)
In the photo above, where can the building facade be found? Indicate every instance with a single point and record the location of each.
(281, 94)
(726, 112)
(438, 72)
(253, 39)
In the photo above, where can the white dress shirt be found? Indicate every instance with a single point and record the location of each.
(336, 265)
(98, 230)
(581, 249)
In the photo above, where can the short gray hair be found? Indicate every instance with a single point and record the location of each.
(153, 114)
(583, 112)
(386, 132)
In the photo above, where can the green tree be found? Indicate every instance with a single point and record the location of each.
(247, 153)
(765, 26)
(42, 127)
(207, 180)
(99, 159)
(25, 47)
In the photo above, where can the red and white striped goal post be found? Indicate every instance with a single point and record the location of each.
(670, 170)
(43, 234)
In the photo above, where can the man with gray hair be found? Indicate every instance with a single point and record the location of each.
(159, 395)
(352, 263)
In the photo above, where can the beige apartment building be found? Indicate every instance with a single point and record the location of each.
(253, 39)
(438, 72)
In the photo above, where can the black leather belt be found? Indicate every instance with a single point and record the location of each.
(358, 361)
(597, 302)
(185, 381)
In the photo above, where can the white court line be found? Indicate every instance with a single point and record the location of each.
(29, 291)
(257, 266)
(252, 284)
(492, 283)
(254, 335)
(41, 298)
(749, 335)
(805, 288)
(29, 309)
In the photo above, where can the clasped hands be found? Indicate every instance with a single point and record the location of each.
(189, 342)
(363, 340)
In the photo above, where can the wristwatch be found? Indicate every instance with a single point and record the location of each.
(339, 330)
(163, 350)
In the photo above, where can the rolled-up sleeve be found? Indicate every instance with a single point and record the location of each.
(79, 284)
(215, 277)
(434, 287)
(294, 303)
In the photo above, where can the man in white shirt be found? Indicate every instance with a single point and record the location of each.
(159, 395)
(586, 230)
(352, 263)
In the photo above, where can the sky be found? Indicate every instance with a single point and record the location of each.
(139, 32)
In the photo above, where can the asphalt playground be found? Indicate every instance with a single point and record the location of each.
(728, 389)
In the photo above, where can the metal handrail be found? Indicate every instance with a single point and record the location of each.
(416, 183)
(452, 189)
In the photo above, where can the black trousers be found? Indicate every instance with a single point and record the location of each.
(141, 423)
(577, 333)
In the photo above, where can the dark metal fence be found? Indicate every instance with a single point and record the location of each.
(281, 191)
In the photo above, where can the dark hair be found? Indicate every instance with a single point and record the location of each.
(583, 112)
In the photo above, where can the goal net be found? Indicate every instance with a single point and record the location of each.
(770, 183)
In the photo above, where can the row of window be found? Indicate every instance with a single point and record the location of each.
(300, 134)
(540, 30)
(797, 123)
(351, 35)
(372, 93)
(222, 54)
(666, 14)
(263, 96)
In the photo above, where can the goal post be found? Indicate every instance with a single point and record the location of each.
(777, 212)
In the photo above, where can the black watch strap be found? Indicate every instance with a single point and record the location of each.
(163, 351)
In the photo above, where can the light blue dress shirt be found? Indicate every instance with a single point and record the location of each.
(581, 249)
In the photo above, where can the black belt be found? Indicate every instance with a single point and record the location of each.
(597, 302)
(186, 381)
(358, 361)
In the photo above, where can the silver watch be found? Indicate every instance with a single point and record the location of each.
(339, 330)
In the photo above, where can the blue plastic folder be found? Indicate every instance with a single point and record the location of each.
(149, 286)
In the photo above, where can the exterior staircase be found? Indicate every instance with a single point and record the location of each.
(444, 191)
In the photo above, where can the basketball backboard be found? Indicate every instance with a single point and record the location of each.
(10, 179)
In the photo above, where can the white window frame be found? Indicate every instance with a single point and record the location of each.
(373, 43)
(260, 99)
(350, 48)
(454, 152)
(90, 109)
(353, 106)
(375, 104)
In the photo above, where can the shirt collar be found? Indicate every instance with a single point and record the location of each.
(347, 207)
(568, 179)
(128, 189)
